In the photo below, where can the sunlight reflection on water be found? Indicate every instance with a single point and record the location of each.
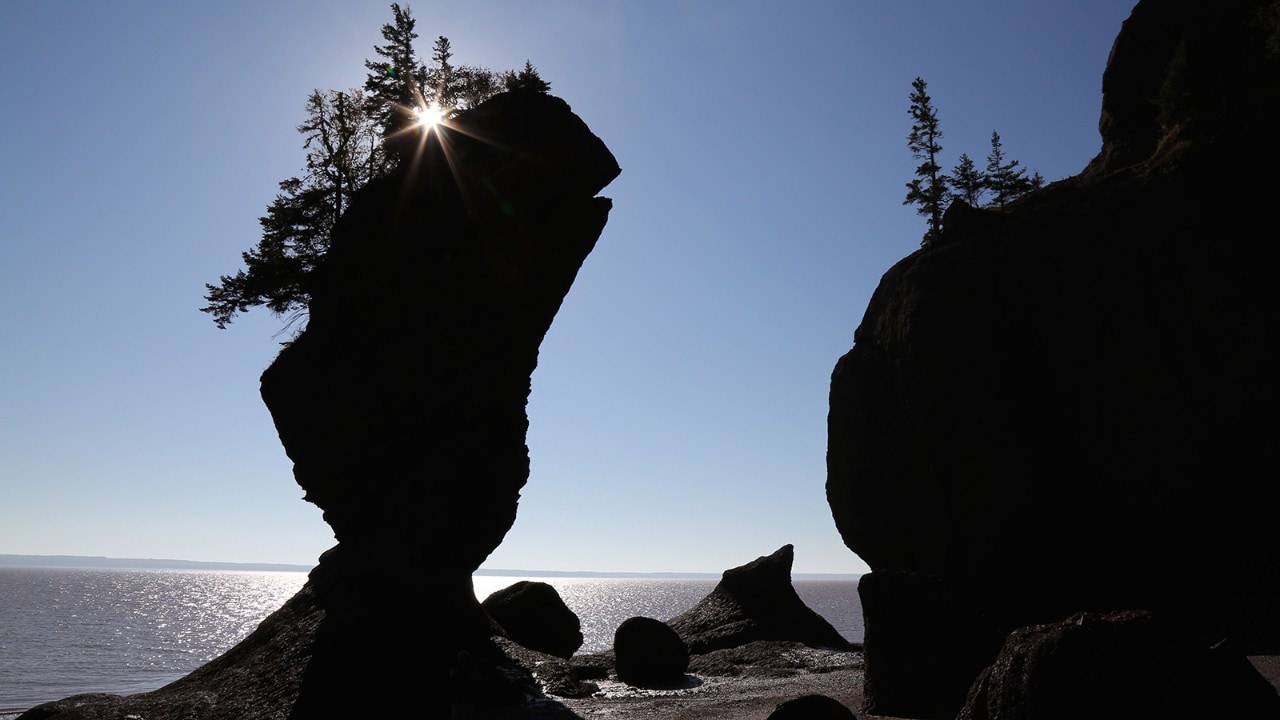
(65, 631)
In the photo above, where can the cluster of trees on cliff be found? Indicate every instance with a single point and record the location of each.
(1001, 182)
(351, 137)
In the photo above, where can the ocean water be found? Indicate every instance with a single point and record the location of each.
(65, 631)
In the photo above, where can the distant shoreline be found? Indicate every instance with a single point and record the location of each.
(97, 561)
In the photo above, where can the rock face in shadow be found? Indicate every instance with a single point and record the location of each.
(1069, 405)
(919, 623)
(1120, 665)
(754, 602)
(402, 407)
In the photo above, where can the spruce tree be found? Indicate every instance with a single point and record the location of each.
(928, 191)
(967, 182)
(343, 147)
(1006, 180)
(526, 79)
(393, 86)
(439, 82)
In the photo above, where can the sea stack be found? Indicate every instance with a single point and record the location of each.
(402, 407)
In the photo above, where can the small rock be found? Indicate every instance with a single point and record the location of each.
(812, 707)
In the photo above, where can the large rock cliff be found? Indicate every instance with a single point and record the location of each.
(402, 406)
(1070, 405)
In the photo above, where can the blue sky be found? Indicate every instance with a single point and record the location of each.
(678, 414)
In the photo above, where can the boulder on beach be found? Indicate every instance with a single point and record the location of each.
(648, 653)
(754, 602)
(533, 614)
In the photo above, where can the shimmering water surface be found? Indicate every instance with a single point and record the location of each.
(69, 631)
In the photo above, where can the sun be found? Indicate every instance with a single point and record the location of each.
(427, 116)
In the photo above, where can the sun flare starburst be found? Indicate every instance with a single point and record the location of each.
(427, 116)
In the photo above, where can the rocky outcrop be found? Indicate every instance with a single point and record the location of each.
(1068, 405)
(533, 614)
(402, 406)
(648, 653)
(1120, 665)
(773, 659)
(754, 602)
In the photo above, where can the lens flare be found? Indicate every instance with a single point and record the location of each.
(427, 116)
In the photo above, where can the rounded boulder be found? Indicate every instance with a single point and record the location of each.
(648, 653)
(533, 615)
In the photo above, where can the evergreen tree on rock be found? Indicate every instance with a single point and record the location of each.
(928, 191)
(1006, 180)
(967, 182)
(351, 137)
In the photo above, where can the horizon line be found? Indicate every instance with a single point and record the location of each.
(102, 561)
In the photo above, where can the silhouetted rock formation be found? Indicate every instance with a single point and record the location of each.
(1070, 405)
(402, 406)
(1117, 666)
(648, 653)
(950, 641)
(534, 615)
(754, 602)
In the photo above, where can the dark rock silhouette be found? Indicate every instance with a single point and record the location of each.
(402, 406)
(533, 614)
(948, 647)
(754, 602)
(1069, 405)
(1117, 666)
(812, 707)
(648, 653)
